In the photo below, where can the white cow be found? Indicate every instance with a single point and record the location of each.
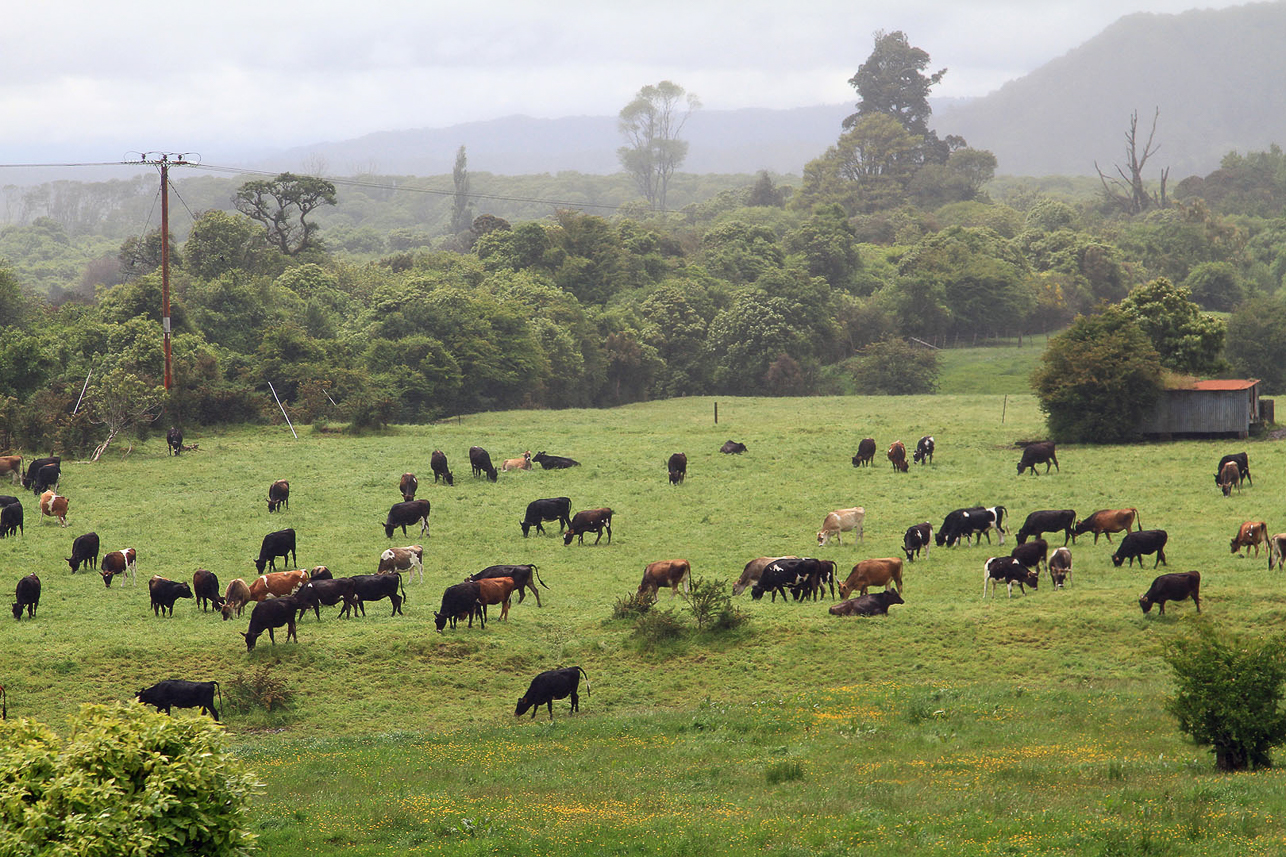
(841, 521)
(409, 558)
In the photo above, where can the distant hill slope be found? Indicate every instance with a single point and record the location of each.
(1218, 77)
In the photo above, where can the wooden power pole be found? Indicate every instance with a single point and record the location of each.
(163, 161)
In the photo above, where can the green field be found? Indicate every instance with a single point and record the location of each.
(953, 726)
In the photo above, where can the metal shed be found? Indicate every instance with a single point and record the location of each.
(1205, 409)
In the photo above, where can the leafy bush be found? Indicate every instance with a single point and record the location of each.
(893, 367)
(657, 627)
(1229, 695)
(631, 606)
(712, 607)
(127, 781)
(259, 689)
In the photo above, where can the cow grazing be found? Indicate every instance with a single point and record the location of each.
(235, 597)
(269, 614)
(377, 587)
(27, 597)
(924, 450)
(841, 521)
(1009, 571)
(11, 520)
(277, 584)
(778, 576)
(54, 506)
(678, 467)
(458, 601)
(1276, 550)
(524, 577)
(554, 462)
(550, 509)
(1060, 567)
(916, 538)
(1049, 521)
(753, 571)
(495, 590)
(177, 693)
(897, 455)
(205, 588)
(396, 560)
(551, 685)
(11, 466)
(84, 550)
(1250, 534)
(174, 444)
(438, 464)
(1107, 521)
(1172, 587)
(165, 592)
(1243, 467)
(665, 572)
(1135, 545)
(279, 495)
(865, 452)
(1229, 478)
(1038, 453)
(320, 572)
(732, 447)
(480, 461)
(1032, 554)
(968, 524)
(122, 562)
(408, 485)
(589, 521)
(884, 572)
(34, 467)
(278, 544)
(405, 514)
(330, 592)
(523, 463)
(874, 604)
(815, 576)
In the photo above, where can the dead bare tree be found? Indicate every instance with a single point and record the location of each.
(1128, 191)
(120, 400)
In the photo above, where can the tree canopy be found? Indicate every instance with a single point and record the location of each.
(282, 205)
(651, 125)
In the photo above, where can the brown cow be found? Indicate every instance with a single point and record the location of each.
(277, 584)
(523, 463)
(495, 590)
(54, 506)
(897, 455)
(873, 572)
(1251, 534)
(1106, 522)
(408, 486)
(753, 571)
(1229, 478)
(120, 562)
(12, 465)
(235, 597)
(665, 572)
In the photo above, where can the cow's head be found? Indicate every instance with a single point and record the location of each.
(568, 536)
(440, 620)
(1033, 580)
(1145, 602)
(822, 538)
(250, 640)
(525, 527)
(892, 596)
(1059, 576)
(17, 611)
(523, 705)
(1117, 559)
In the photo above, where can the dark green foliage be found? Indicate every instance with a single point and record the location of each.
(1215, 285)
(657, 628)
(1257, 341)
(1098, 379)
(632, 606)
(262, 688)
(1186, 340)
(282, 205)
(892, 82)
(711, 605)
(1228, 695)
(895, 367)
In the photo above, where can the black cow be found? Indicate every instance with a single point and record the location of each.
(1049, 521)
(1032, 554)
(551, 685)
(915, 538)
(1141, 542)
(27, 596)
(814, 576)
(589, 521)
(924, 450)
(279, 495)
(524, 578)
(871, 604)
(438, 463)
(969, 523)
(480, 461)
(678, 467)
(205, 588)
(7, 499)
(320, 572)
(732, 448)
(11, 520)
(182, 694)
(1243, 467)
(174, 446)
(269, 614)
(865, 452)
(458, 601)
(1007, 570)
(1172, 587)
(328, 591)
(405, 514)
(278, 544)
(84, 550)
(165, 592)
(550, 509)
(1038, 453)
(554, 462)
(34, 467)
(46, 478)
(377, 587)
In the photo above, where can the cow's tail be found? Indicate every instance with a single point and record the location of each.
(4, 704)
(401, 585)
(220, 692)
(536, 574)
(1137, 519)
(582, 672)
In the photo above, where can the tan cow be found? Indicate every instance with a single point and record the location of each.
(277, 584)
(753, 571)
(841, 521)
(665, 572)
(235, 597)
(54, 506)
(523, 463)
(12, 465)
(1106, 522)
(1251, 534)
(495, 590)
(1229, 478)
(873, 572)
(409, 559)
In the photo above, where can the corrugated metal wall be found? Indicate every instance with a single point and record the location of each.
(1203, 412)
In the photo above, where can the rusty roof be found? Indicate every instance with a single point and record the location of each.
(1222, 385)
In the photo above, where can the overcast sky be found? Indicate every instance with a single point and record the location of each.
(91, 79)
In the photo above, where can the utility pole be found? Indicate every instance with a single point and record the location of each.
(165, 160)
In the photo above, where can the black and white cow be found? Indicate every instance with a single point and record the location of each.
(924, 450)
(174, 445)
(1009, 571)
(971, 523)
(917, 538)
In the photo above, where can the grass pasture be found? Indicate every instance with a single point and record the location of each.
(953, 726)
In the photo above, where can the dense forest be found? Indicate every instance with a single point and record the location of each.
(380, 299)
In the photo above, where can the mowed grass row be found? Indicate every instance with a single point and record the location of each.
(954, 725)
